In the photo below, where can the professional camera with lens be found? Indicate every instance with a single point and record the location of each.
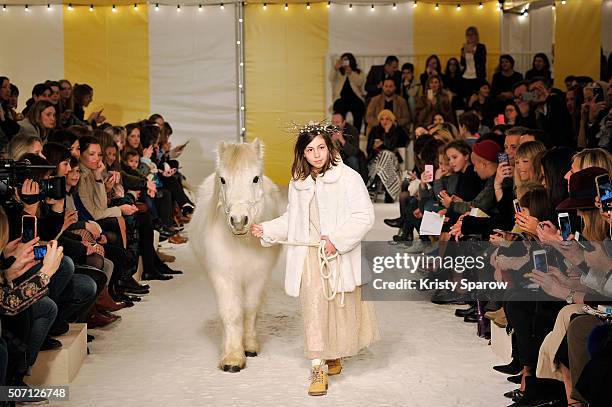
(14, 173)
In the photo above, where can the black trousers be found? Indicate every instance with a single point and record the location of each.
(353, 105)
(173, 185)
(532, 321)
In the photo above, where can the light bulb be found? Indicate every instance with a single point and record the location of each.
(90, 8)
(114, 9)
(178, 8)
(265, 6)
(221, 6)
(200, 8)
(350, 7)
(480, 5)
(156, 6)
(70, 7)
(458, 7)
(372, 8)
(135, 6)
(307, 6)
(328, 4)
(286, 7)
(394, 6)
(414, 4)
(437, 7)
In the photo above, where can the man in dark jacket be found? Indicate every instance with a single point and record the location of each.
(378, 74)
(551, 114)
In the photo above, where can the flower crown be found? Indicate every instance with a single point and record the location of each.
(316, 128)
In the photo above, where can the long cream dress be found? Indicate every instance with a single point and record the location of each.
(330, 330)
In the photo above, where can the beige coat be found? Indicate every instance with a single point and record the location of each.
(93, 196)
(355, 79)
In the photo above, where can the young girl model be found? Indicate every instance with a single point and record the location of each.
(328, 202)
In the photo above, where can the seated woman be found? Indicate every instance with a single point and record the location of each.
(435, 100)
(40, 120)
(383, 162)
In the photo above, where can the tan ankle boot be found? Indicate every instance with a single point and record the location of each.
(334, 367)
(318, 382)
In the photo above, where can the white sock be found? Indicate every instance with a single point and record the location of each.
(316, 362)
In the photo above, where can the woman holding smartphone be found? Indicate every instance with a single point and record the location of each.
(347, 88)
(329, 205)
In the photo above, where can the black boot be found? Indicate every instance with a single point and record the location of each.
(394, 223)
(511, 368)
(155, 275)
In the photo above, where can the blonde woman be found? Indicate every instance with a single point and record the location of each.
(328, 204)
(526, 166)
(383, 161)
(40, 120)
(22, 145)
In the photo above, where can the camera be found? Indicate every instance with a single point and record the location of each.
(14, 173)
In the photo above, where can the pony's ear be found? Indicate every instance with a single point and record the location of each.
(258, 147)
(221, 148)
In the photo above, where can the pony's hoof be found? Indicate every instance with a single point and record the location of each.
(231, 369)
(250, 354)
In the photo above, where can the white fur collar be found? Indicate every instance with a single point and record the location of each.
(332, 175)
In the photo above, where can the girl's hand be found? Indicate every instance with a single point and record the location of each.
(547, 232)
(330, 249)
(445, 199)
(127, 209)
(257, 230)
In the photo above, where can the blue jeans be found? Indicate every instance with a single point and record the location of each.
(73, 293)
(44, 312)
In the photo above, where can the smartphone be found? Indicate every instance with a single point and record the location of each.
(28, 228)
(604, 191)
(501, 119)
(583, 242)
(564, 225)
(40, 252)
(430, 169)
(430, 94)
(517, 206)
(540, 262)
(598, 94)
(503, 158)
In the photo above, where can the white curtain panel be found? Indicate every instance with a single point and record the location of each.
(193, 79)
(32, 49)
(369, 35)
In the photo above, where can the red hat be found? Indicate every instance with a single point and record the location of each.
(487, 149)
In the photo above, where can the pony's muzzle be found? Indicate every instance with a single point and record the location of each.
(239, 223)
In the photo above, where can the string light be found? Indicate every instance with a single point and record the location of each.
(221, 6)
(70, 7)
(114, 9)
(286, 7)
(458, 7)
(394, 6)
(437, 7)
(90, 8)
(307, 6)
(372, 8)
(156, 6)
(265, 6)
(480, 5)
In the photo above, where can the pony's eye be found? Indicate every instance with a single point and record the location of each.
(222, 180)
(256, 179)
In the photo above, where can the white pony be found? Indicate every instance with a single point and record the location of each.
(229, 201)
